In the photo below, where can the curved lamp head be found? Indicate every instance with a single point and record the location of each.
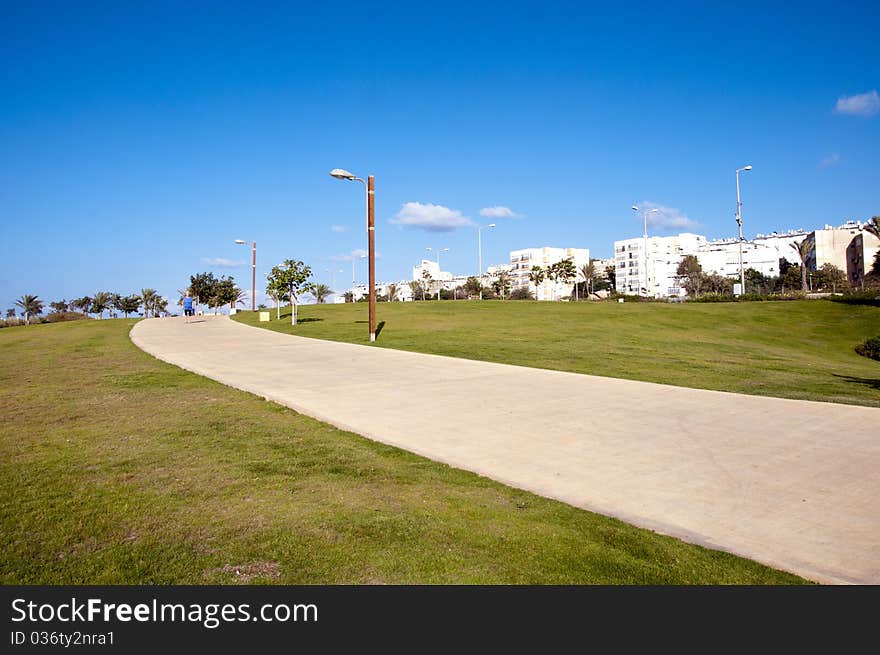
(634, 208)
(491, 225)
(342, 174)
(241, 242)
(748, 168)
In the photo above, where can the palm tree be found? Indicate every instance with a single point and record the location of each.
(148, 300)
(160, 306)
(536, 276)
(804, 248)
(589, 272)
(426, 276)
(100, 302)
(392, 292)
(238, 296)
(10, 313)
(31, 305)
(83, 304)
(321, 292)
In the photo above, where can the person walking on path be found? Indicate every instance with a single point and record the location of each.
(187, 306)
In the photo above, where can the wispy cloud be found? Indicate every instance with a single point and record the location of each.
(863, 104)
(831, 160)
(432, 218)
(357, 253)
(223, 262)
(665, 217)
(498, 211)
(339, 229)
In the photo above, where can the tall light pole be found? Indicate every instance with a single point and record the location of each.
(645, 218)
(480, 254)
(242, 242)
(369, 185)
(739, 222)
(438, 251)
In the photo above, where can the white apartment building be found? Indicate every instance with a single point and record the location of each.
(433, 269)
(522, 261)
(722, 258)
(782, 242)
(653, 273)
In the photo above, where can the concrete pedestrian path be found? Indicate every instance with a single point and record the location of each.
(793, 484)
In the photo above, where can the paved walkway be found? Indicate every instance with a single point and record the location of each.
(793, 484)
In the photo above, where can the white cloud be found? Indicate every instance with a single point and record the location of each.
(339, 229)
(433, 218)
(665, 217)
(831, 160)
(864, 104)
(223, 262)
(354, 254)
(498, 211)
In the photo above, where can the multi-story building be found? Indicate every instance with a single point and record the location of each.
(860, 256)
(653, 272)
(848, 247)
(722, 258)
(522, 262)
(433, 269)
(782, 242)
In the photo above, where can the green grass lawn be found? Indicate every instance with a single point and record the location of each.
(792, 349)
(118, 468)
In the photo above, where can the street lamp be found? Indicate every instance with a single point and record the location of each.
(480, 254)
(438, 251)
(645, 218)
(242, 242)
(341, 174)
(739, 222)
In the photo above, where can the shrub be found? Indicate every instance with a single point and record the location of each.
(866, 297)
(522, 293)
(871, 348)
(57, 317)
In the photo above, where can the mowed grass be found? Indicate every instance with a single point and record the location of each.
(791, 349)
(118, 468)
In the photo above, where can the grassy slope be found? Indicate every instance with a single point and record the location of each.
(118, 468)
(795, 349)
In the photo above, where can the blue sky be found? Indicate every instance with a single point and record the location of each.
(137, 142)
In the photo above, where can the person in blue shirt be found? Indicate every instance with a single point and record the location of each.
(188, 306)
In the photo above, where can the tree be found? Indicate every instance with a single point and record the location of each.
(321, 292)
(392, 292)
(58, 306)
(83, 304)
(804, 248)
(691, 274)
(590, 273)
(611, 274)
(717, 284)
(30, 305)
(10, 313)
(160, 306)
(502, 284)
(292, 276)
(756, 282)
(222, 293)
(873, 226)
(276, 290)
(238, 297)
(791, 278)
(100, 302)
(536, 276)
(831, 275)
(201, 287)
(426, 281)
(473, 287)
(129, 304)
(148, 300)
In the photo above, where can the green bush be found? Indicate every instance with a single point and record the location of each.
(871, 348)
(868, 297)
